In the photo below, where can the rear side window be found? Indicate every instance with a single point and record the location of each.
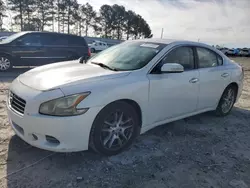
(208, 58)
(76, 41)
(64, 40)
(60, 40)
(182, 55)
(47, 39)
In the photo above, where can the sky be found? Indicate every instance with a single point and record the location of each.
(224, 22)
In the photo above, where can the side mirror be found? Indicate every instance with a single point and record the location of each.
(172, 68)
(83, 59)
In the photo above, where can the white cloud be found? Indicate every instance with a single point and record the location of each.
(211, 21)
(216, 21)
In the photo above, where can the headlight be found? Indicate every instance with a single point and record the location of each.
(65, 106)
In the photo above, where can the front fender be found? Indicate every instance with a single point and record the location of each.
(134, 88)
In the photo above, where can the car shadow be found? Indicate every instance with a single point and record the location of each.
(28, 166)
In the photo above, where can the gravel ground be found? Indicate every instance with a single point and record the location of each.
(200, 151)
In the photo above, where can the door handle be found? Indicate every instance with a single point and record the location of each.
(194, 80)
(225, 75)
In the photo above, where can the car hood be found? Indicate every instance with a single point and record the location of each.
(56, 75)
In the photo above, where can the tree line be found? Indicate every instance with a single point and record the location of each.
(68, 16)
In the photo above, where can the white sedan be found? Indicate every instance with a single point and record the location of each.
(98, 46)
(120, 93)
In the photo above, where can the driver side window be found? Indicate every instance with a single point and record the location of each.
(182, 55)
(30, 40)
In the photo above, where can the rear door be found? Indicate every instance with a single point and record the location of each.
(79, 47)
(214, 77)
(56, 47)
(99, 46)
(105, 46)
(65, 47)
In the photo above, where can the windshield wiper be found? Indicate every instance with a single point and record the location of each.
(104, 66)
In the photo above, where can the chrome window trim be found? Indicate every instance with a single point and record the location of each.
(170, 50)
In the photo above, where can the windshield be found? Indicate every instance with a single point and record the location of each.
(12, 37)
(128, 55)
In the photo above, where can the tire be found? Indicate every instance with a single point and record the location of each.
(92, 50)
(221, 110)
(105, 136)
(5, 63)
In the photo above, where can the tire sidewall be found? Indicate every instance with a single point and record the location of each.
(219, 110)
(95, 142)
(92, 50)
(10, 59)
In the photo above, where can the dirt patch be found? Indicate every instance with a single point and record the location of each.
(200, 151)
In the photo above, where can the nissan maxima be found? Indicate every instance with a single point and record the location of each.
(107, 101)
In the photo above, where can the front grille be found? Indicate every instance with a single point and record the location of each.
(16, 103)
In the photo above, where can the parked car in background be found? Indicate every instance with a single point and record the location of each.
(236, 51)
(244, 52)
(230, 52)
(40, 48)
(223, 50)
(98, 46)
(121, 93)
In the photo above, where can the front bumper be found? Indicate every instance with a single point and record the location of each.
(70, 133)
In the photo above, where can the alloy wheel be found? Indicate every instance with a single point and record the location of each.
(117, 130)
(4, 63)
(228, 101)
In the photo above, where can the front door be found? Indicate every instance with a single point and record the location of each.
(174, 94)
(28, 50)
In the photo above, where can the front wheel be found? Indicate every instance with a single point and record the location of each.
(227, 101)
(5, 63)
(114, 129)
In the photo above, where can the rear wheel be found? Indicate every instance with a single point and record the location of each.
(92, 50)
(114, 129)
(227, 101)
(5, 63)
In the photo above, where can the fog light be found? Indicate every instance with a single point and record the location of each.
(52, 140)
(34, 137)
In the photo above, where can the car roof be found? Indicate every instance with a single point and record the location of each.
(176, 42)
(170, 41)
(48, 32)
(180, 42)
(157, 40)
